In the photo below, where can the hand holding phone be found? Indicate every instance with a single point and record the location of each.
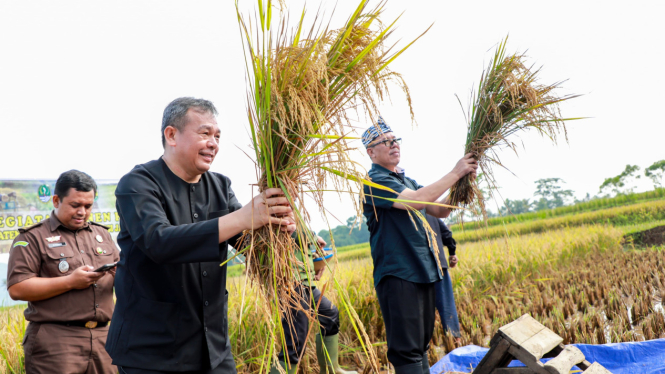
(106, 267)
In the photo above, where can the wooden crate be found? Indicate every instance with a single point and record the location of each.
(527, 341)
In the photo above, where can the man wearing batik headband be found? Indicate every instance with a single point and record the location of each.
(405, 269)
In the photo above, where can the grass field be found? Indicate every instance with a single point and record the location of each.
(582, 207)
(620, 216)
(572, 272)
(485, 271)
(12, 328)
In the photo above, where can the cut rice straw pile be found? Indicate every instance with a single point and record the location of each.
(509, 100)
(303, 84)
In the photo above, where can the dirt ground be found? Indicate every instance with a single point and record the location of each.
(650, 238)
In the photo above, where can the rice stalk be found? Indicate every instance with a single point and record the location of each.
(509, 101)
(303, 85)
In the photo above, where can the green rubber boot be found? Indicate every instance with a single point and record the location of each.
(331, 366)
(293, 370)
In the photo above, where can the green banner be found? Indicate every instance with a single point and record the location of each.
(26, 202)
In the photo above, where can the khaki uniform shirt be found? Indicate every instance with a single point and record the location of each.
(38, 251)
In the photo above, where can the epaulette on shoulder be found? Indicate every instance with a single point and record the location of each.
(28, 228)
(100, 225)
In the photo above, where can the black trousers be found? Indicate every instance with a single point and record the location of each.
(296, 326)
(408, 314)
(228, 366)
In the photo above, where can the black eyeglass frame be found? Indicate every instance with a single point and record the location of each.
(391, 141)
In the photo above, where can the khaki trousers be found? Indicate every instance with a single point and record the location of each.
(51, 348)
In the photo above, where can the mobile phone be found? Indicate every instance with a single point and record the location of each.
(106, 267)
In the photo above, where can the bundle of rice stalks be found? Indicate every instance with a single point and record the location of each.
(509, 100)
(302, 86)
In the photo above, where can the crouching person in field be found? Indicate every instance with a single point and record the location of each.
(405, 269)
(296, 325)
(51, 267)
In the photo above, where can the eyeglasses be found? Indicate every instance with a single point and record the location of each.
(389, 143)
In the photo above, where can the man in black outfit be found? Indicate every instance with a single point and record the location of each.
(405, 269)
(177, 219)
(445, 298)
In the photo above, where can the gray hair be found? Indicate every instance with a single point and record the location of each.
(175, 112)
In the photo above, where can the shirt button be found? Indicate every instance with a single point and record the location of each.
(96, 305)
(205, 273)
(95, 285)
(196, 215)
(206, 303)
(205, 329)
(193, 188)
(82, 252)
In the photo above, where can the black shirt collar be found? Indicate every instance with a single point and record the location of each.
(176, 180)
(381, 169)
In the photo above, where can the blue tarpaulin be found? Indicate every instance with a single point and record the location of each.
(619, 358)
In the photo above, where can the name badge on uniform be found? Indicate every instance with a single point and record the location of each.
(99, 238)
(63, 266)
(55, 245)
(53, 239)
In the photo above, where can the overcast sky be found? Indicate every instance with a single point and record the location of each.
(83, 84)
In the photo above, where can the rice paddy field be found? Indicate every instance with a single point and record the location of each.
(591, 275)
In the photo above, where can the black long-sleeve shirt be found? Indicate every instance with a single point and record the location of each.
(171, 309)
(447, 238)
(444, 237)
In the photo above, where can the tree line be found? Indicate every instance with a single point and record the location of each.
(551, 193)
(354, 232)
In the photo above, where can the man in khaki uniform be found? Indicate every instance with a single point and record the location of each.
(51, 267)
